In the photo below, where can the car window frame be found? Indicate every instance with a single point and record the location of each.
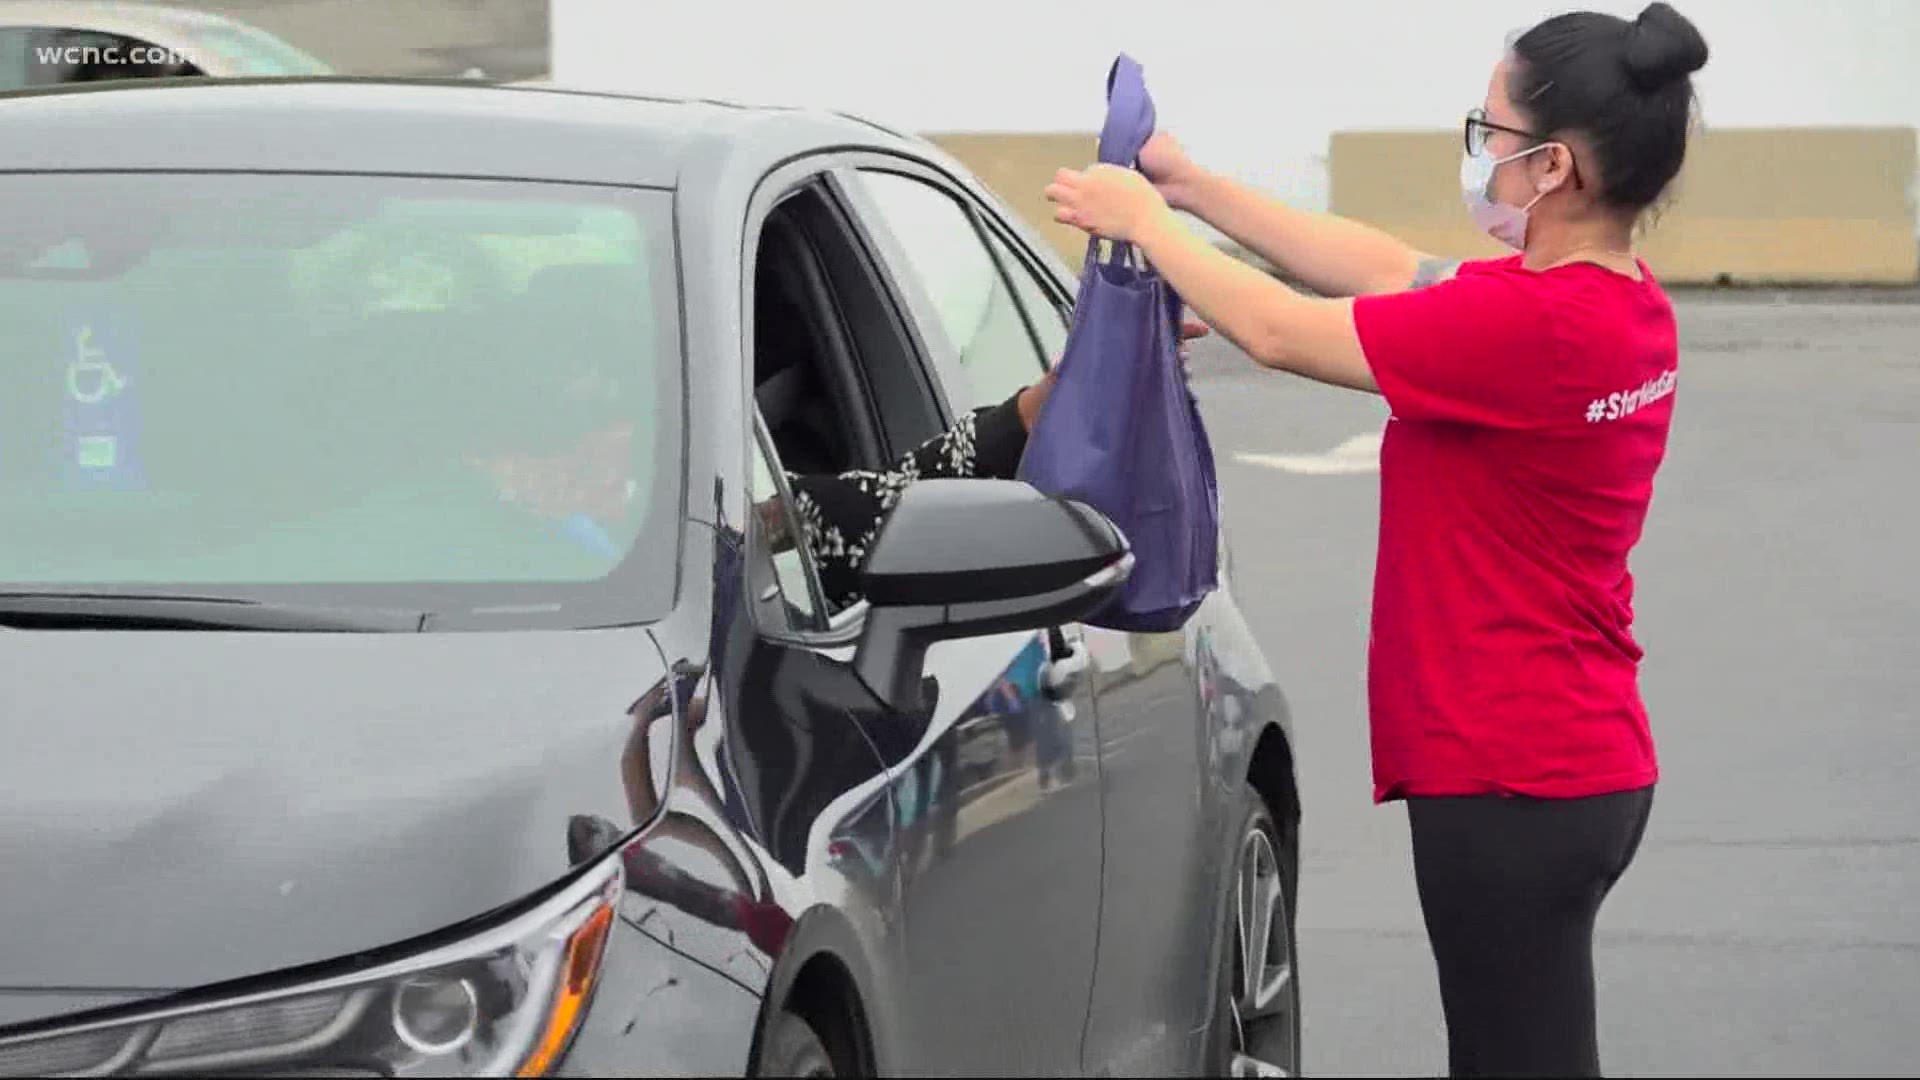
(991, 221)
(1058, 299)
(900, 248)
(935, 354)
(846, 200)
(936, 349)
(760, 441)
(827, 171)
(834, 172)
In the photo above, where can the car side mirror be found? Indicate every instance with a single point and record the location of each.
(967, 558)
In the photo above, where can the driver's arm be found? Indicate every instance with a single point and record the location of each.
(840, 514)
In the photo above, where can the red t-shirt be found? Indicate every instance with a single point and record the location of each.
(1530, 412)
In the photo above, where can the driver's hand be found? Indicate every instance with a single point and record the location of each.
(1191, 330)
(773, 524)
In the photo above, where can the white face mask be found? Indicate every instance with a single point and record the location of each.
(1505, 223)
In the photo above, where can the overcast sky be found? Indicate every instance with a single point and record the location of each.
(1253, 87)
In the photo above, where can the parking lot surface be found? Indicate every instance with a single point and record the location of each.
(1769, 925)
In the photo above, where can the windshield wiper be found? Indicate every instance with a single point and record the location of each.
(153, 611)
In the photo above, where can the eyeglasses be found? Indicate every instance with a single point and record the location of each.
(1477, 129)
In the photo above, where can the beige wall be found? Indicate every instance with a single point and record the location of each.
(1814, 205)
(1795, 206)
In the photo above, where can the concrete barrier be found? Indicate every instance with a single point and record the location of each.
(1763, 205)
(1786, 206)
(508, 39)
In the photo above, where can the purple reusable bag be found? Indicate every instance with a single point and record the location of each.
(1121, 431)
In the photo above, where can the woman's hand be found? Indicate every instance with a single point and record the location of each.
(1166, 163)
(1105, 200)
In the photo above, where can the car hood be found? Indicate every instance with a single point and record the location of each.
(186, 808)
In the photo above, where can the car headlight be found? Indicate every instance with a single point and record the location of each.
(504, 1002)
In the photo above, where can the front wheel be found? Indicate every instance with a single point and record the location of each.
(793, 1048)
(1257, 1020)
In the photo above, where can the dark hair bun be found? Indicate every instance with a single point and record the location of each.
(1663, 47)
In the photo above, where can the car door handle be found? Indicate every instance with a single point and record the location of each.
(1065, 674)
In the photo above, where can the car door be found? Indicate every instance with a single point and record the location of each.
(1158, 882)
(799, 723)
(1000, 811)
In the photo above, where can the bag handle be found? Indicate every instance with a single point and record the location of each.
(1130, 114)
(1118, 253)
(1129, 124)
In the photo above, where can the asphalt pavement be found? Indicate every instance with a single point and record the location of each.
(1771, 924)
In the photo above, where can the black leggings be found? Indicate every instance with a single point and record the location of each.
(1510, 888)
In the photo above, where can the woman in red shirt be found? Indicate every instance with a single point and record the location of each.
(1530, 400)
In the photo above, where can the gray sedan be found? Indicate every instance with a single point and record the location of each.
(405, 677)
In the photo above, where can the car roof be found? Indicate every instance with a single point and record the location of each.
(446, 127)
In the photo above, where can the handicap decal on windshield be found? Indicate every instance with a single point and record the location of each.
(100, 388)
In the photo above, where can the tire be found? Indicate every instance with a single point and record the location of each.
(1256, 1028)
(793, 1048)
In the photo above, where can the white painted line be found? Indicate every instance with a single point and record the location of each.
(1360, 454)
(1120, 741)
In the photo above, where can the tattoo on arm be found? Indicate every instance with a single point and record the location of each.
(1432, 271)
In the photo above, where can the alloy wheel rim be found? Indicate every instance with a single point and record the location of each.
(1264, 997)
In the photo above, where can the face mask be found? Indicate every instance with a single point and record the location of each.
(1507, 224)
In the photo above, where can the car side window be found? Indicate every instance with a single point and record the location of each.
(1050, 320)
(16, 54)
(971, 296)
(781, 576)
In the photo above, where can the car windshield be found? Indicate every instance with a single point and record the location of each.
(255, 52)
(456, 396)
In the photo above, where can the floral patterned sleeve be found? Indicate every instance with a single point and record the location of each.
(842, 513)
